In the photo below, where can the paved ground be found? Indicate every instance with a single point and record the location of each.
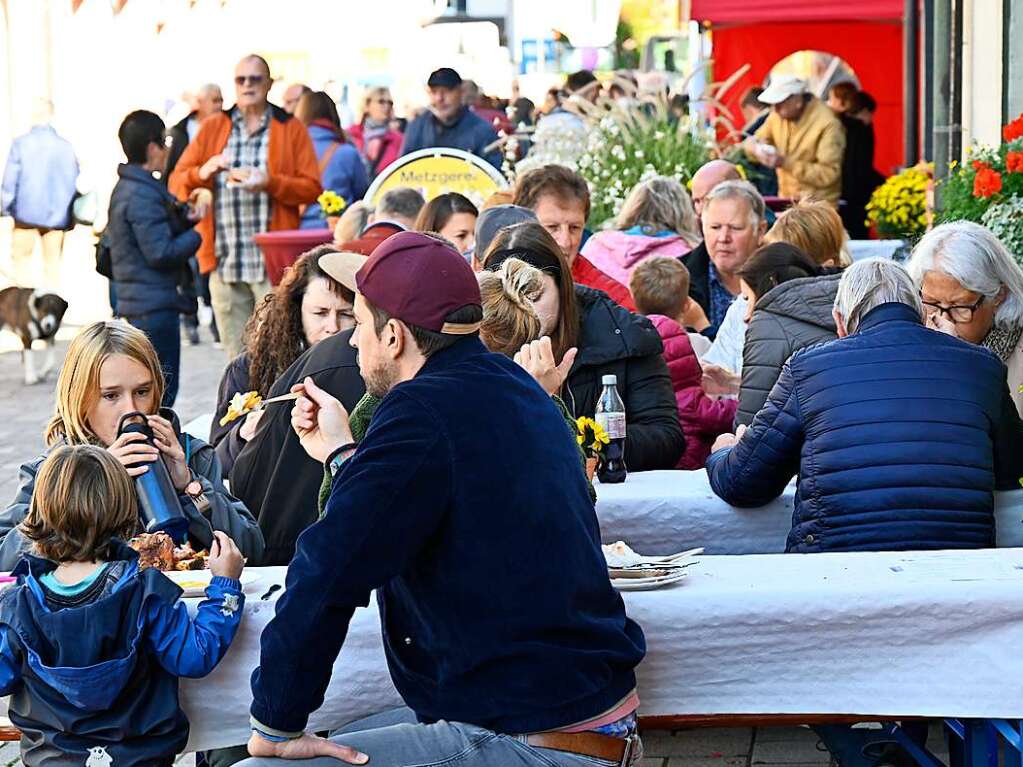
(25, 410)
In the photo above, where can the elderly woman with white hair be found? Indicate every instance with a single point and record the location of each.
(972, 288)
(898, 434)
(657, 219)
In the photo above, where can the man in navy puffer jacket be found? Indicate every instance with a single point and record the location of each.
(151, 239)
(899, 434)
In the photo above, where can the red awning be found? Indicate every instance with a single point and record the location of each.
(758, 11)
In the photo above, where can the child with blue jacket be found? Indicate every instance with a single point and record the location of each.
(91, 647)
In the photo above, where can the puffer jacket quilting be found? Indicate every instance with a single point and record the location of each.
(899, 435)
(790, 317)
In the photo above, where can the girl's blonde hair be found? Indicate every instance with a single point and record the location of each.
(78, 384)
(660, 204)
(816, 229)
(509, 319)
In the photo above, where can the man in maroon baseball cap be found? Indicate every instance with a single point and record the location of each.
(467, 462)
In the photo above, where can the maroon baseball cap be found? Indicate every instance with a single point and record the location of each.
(413, 277)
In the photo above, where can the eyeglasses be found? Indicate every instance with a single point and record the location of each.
(249, 79)
(385, 101)
(958, 315)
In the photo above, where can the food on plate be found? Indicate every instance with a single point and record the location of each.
(618, 554)
(158, 550)
(239, 405)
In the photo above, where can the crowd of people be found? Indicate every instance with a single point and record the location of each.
(441, 354)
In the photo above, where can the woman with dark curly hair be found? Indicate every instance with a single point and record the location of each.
(307, 306)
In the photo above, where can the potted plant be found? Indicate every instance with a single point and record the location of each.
(331, 205)
(592, 439)
(898, 208)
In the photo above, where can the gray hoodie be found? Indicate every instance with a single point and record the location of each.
(790, 317)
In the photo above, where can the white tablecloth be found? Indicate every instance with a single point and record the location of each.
(662, 512)
(928, 634)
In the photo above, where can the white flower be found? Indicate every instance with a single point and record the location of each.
(639, 154)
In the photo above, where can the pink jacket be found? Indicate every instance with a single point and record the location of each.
(703, 418)
(617, 253)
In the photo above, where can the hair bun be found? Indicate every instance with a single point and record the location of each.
(520, 282)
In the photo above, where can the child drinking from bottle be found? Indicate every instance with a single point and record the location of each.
(91, 647)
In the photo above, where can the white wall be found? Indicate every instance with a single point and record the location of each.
(982, 72)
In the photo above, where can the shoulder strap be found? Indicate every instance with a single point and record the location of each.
(325, 160)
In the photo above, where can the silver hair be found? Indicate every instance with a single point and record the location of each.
(869, 283)
(971, 255)
(208, 89)
(660, 204)
(739, 190)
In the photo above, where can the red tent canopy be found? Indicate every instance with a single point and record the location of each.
(866, 34)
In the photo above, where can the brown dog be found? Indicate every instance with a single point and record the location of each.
(32, 315)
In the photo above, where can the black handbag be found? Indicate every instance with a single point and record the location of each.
(104, 258)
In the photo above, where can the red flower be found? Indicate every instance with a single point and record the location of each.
(988, 182)
(978, 164)
(1014, 162)
(1013, 130)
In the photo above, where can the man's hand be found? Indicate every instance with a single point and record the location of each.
(305, 747)
(257, 181)
(719, 381)
(212, 166)
(728, 440)
(319, 420)
(537, 358)
(225, 559)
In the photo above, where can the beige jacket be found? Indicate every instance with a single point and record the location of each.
(812, 149)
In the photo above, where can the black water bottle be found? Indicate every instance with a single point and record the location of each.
(161, 509)
(610, 414)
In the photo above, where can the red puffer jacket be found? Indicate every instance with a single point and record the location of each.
(703, 418)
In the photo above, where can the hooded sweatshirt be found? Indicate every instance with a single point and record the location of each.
(97, 684)
(616, 254)
(790, 317)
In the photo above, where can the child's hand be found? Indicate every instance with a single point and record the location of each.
(225, 559)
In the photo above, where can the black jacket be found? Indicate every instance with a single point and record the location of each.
(790, 317)
(613, 340)
(279, 483)
(226, 438)
(859, 178)
(179, 140)
(697, 261)
(150, 244)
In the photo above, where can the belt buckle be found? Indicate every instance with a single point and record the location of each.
(630, 741)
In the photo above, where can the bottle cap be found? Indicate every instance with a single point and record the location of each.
(609, 380)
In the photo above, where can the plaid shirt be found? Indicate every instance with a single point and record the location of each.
(720, 298)
(238, 214)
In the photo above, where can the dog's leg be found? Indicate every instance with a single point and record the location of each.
(30, 372)
(50, 358)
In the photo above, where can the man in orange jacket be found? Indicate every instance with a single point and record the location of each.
(259, 162)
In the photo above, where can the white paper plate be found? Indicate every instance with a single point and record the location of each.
(647, 584)
(194, 582)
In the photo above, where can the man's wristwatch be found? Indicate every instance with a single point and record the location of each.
(198, 497)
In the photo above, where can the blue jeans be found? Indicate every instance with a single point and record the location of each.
(447, 744)
(162, 329)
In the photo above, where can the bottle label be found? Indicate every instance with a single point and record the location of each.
(613, 423)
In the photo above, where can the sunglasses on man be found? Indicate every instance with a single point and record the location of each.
(243, 80)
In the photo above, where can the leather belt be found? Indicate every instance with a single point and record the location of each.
(606, 747)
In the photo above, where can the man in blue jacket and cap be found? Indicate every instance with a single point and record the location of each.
(466, 509)
(449, 122)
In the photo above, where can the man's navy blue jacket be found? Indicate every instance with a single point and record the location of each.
(466, 508)
(469, 131)
(148, 247)
(899, 434)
